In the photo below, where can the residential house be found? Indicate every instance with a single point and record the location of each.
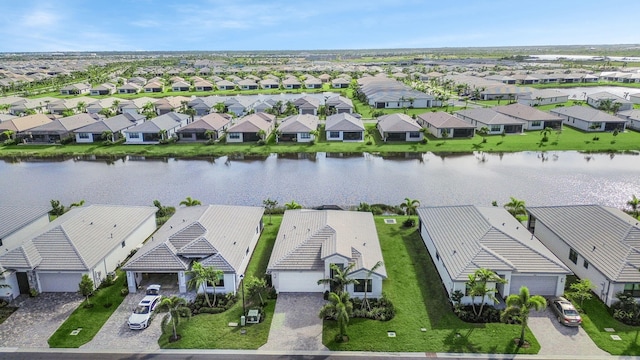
(225, 85)
(291, 83)
(140, 81)
(384, 93)
(339, 105)
(247, 84)
(596, 242)
(219, 236)
(508, 80)
(534, 119)
(57, 130)
(129, 88)
(103, 89)
(153, 87)
(463, 239)
(89, 240)
(170, 103)
(543, 97)
(595, 100)
(635, 98)
(325, 78)
(75, 89)
(20, 125)
(114, 125)
(270, 83)
(180, 86)
(496, 122)
(307, 105)
(16, 222)
(248, 128)
(76, 104)
(238, 105)
(632, 117)
(344, 127)
(340, 83)
(299, 128)
(312, 83)
(209, 127)
(203, 85)
(22, 106)
(135, 106)
(399, 127)
(107, 103)
(443, 125)
(506, 92)
(156, 129)
(310, 241)
(589, 119)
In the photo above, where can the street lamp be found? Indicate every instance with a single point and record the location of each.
(244, 312)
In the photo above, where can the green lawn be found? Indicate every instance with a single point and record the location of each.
(91, 319)
(596, 318)
(416, 290)
(211, 331)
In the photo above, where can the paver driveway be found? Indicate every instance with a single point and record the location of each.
(557, 339)
(295, 324)
(37, 319)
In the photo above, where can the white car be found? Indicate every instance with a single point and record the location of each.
(141, 315)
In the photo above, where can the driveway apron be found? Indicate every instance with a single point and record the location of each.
(295, 324)
(37, 319)
(557, 339)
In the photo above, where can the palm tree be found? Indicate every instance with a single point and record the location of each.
(518, 307)
(499, 97)
(162, 134)
(478, 287)
(339, 279)
(483, 132)
(365, 301)
(545, 133)
(115, 105)
(516, 207)
(81, 107)
(210, 134)
(107, 135)
(77, 204)
(340, 309)
(634, 203)
(292, 205)
(201, 276)
(261, 133)
(8, 134)
(410, 206)
(190, 202)
(177, 308)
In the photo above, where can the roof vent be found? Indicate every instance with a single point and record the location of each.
(594, 248)
(170, 226)
(454, 252)
(517, 227)
(364, 244)
(184, 220)
(234, 243)
(114, 225)
(91, 223)
(502, 224)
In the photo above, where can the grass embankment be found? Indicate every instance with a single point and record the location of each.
(90, 320)
(211, 331)
(596, 318)
(414, 287)
(569, 139)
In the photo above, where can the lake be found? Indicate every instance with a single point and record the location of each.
(554, 178)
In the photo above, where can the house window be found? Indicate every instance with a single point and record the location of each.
(495, 128)
(585, 264)
(305, 136)
(134, 135)
(219, 283)
(467, 289)
(83, 135)
(536, 123)
(573, 256)
(414, 134)
(234, 135)
(334, 134)
(359, 287)
(596, 125)
(632, 289)
(123, 244)
(332, 273)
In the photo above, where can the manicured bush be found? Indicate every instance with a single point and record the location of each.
(489, 315)
(379, 309)
(626, 309)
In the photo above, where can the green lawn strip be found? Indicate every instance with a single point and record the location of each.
(91, 319)
(596, 318)
(416, 290)
(569, 139)
(212, 331)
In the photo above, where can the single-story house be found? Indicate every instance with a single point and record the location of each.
(444, 125)
(180, 86)
(291, 83)
(463, 239)
(238, 104)
(203, 85)
(59, 129)
(340, 83)
(588, 119)
(129, 88)
(156, 129)
(168, 104)
(298, 128)
(135, 106)
(75, 89)
(20, 125)
(399, 127)
(225, 85)
(307, 105)
(534, 119)
(339, 105)
(107, 103)
(344, 127)
(16, 222)
(153, 87)
(632, 117)
(218, 236)
(595, 100)
(543, 97)
(635, 98)
(247, 129)
(114, 125)
(247, 84)
(91, 240)
(310, 241)
(496, 122)
(312, 83)
(199, 129)
(503, 92)
(270, 84)
(103, 89)
(596, 242)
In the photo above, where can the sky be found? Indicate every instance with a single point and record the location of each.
(213, 25)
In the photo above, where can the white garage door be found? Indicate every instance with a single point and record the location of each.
(538, 285)
(59, 282)
(300, 281)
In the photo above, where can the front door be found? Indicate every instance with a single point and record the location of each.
(23, 282)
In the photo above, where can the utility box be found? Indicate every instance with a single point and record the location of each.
(242, 320)
(253, 317)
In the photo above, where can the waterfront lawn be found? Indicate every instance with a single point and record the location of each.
(211, 331)
(104, 303)
(569, 139)
(414, 287)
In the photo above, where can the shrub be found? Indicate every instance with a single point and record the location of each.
(124, 291)
(369, 142)
(489, 315)
(626, 309)
(425, 141)
(33, 292)
(260, 142)
(409, 223)
(380, 309)
(108, 281)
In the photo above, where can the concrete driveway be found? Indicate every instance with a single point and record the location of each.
(295, 324)
(557, 339)
(37, 319)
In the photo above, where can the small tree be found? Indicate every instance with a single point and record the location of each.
(516, 207)
(340, 309)
(582, 290)
(270, 204)
(256, 288)
(200, 277)
(518, 307)
(545, 134)
(365, 301)
(410, 206)
(86, 287)
(477, 285)
(188, 201)
(340, 278)
(292, 205)
(177, 309)
(483, 132)
(634, 204)
(57, 208)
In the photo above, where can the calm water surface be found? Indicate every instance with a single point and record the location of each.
(539, 179)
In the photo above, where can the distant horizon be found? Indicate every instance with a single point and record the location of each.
(279, 25)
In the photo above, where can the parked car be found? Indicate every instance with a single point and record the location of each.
(153, 289)
(566, 312)
(141, 315)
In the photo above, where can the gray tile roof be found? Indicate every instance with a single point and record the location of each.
(441, 119)
(343, 122)
(526, 113)
(608, 238)
(167, 121)
(199, 232)
(14, 218)
(585, 113)
(113, 124)
(398, 123)
(299, 123)
(82, 237)
(64, 125)
(24, 123)
(307, 237)
(468, 238)
(489, 117)
(212, 121)
(604, 95)
(253, 123)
